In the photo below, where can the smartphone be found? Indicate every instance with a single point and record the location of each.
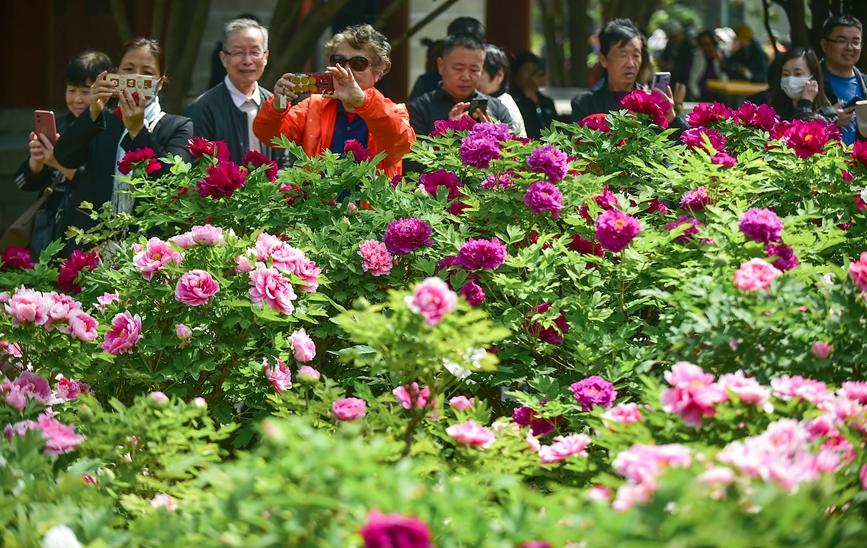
(321, 83)
(477, 104)
(852, 102)
(44, 122)
(661, 81)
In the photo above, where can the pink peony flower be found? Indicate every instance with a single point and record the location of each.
(302, 346)
(124, 333)
(654, 104)
(410, 396)
(471, 433)
(630, 494)
(549, 161)
(855, 391)
(693, 393)
(406, 235)
(67, 389)
(349, 409)
(687, 235)
(270, 287)
(761, 225)
(28, 306)
(615, 230)
(858, 271)
(747, 389)
(394, 531)
(724, 159)
(82, 326)
(280, 377)
(73, 266)
(644, 463)
(478, 149)
(156, 255)
(355, 150)
(564, 447)
(481, 254)
(821, 349)
(433, 299)
(462, 403)
(308, 374)
(244, 265)
(253, 159)
(199, 146)
(207, 234)
(196, 287)
(27, 385)
(593, 390)
(473, 293)
(763, 116)
(183, 332)
(161, 499)
(552, 334)
(607, 200)
(142, 158)
(695, 199)
(441, 127)
(222, 181)
(159, 397)
(754, 275)
(694, 138)
(542, 196)
(784, 256)
(704, 114)
(862, 475)
(813, 391)
(717, 476)
(808, 138)
(623, 413)
(59, 438)
(375, 258)
(106, 299)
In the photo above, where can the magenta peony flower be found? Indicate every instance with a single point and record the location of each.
(693, 393)
(615, 230)
(549, 161)
(763, 116)
(16, 257)
(785, 256)
(406, 235)
(254, 159)
(394, 531)
(694, 226)
(564, 447)
(542, 196)
(695, 199)
(59, 438)
(500, 132)
(694, 138)
(779, 131)
(268, 286)
(433, 299)
(858, 271)
(73, 266)
(724, 159)
(471, 433)
(607, 200)
(441, 127)
(280, 377)
(481, 254)
(352, 148)
(552, 334)
(654, 104)
(462, 403)
(156, 255)
(754, 275)
(124, 333)
(375, 258)
(761, 225)
(808, 138)
(623, 413)
(308, 374)
(410, 396)
(27, 385)
(859, 152)
(593, 390)
(432, 181)
(303, 346)
(196, 287)
(473, 293)
(142, 158)
(704, 114)
(68, 389)
(478, 149)
(499, 181)
(222, 181)
(599, 123)
(348, 409)
(199, 146)
(586, 247)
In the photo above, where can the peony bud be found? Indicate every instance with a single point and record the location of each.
(822, 350)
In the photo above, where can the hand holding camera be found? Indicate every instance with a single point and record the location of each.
(291, 85)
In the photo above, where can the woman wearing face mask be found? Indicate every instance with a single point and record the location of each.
(797, 90)
(100, 138)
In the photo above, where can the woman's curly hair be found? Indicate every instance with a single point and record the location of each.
(366, 38)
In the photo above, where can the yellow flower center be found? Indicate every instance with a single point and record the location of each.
(619, 223)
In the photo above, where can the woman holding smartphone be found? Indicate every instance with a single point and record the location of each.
(100, 138)
(42, 168)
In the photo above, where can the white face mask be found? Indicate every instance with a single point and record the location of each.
(794, 86)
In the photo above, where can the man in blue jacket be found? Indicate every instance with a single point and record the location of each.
(842, 43)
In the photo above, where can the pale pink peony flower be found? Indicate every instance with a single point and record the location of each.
(748, 390)
(59, 438)
(303, 346)
(288, 259)
(718, 475)
(270, 287)
(308, 374)
(196, 287)
(858, 271)
(630, 494)
(624, 413)
(280, 377)
(410, 396)
(124, 332)
(471, 433)
(161, 499)
(82, 326)
(200, 402)
(375, 258)
(59, 308)
(462, 403)
(183, 332)
(755, 274)
(244, 265)
(643, 463)
(693, 393)
(154, 257)
(159, 397)
(432, 299)
(348, 409)
(855, 390)
(601, 493)
(207, 235)
(532, 441)
(106, 299)
(184, 241)
(862, 475)
(787, 388)
(822, 349)
(27, 385)
(564, 447)
(28, 306)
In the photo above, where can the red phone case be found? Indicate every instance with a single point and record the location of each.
(43, 122)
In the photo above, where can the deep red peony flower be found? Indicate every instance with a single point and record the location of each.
(16, 257)
(357, 150)
(654, 104)
(762, 116)
(222, 180)
(254, 159)
(704, 114)
(199, 146)
(72, 266)
(142, 158)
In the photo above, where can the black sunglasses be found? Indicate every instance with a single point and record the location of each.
(358, 63)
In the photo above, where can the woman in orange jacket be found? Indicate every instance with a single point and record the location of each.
(357, 57)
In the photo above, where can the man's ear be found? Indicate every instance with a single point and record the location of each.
(440, 65)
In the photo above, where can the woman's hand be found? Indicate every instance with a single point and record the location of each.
(133, 112)
(284, 88)
(100, 92)
(811, 90)
(42, 154)
(345, 87)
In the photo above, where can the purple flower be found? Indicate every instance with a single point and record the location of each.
(394, 531)
(432, 181)
(550, 161)
(473, 293)
(500, 181)
(724, 159)
(763, 116)
(695, 199)
(615, 230)
(478, 149)
(689, 232)
(542, 196)
(500, 132)
(476, 254)
(552, 334)
(526, 416)
(694, 139)
(785, 256)
(593, 391)
(761, 225)
(405, 235)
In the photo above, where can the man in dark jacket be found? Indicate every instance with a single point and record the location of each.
(226, 111)
(842, 43)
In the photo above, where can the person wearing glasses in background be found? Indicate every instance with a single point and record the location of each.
(357, 58)
(226, 111)
(841, 42)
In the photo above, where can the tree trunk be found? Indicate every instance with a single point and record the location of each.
(637, 10)
(186, 26)
(580, 29)
(118, 10)
(553, 23)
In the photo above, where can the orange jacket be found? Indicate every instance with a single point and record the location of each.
(310, 123)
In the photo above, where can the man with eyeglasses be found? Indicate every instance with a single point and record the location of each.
(226, 111)
(358, 56)
(841, 42)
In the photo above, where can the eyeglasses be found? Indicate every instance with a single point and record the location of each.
(255, 54)
(842, 42)
(357, 63)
